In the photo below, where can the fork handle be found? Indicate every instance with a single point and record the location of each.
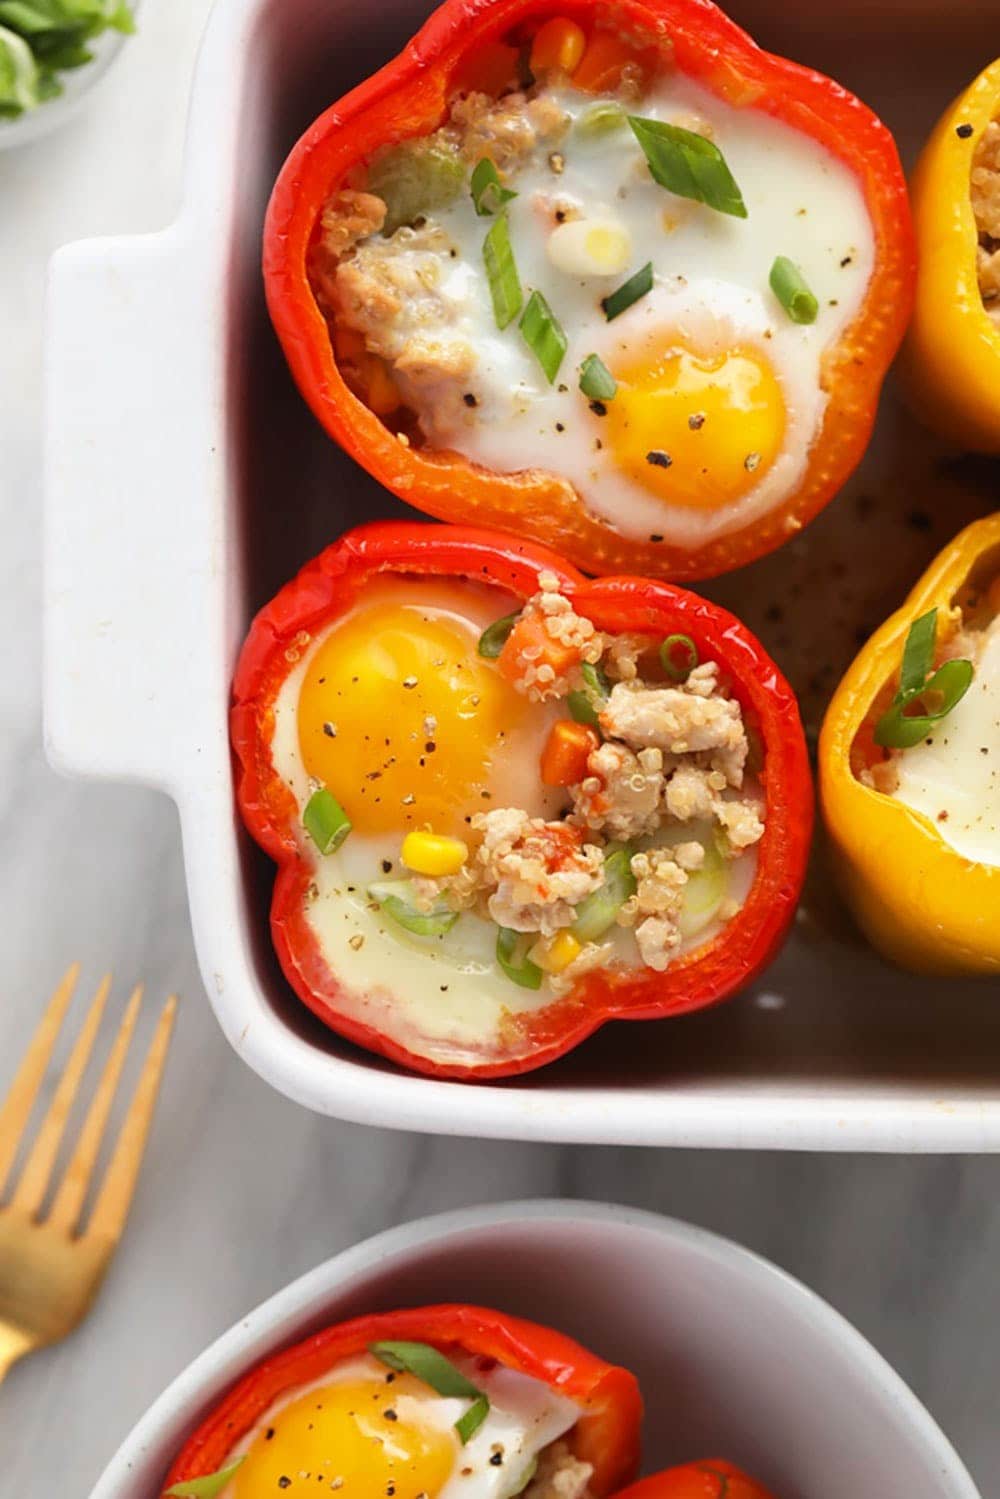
(132, 506)
(14, 1343)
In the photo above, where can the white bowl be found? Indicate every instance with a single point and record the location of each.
(735, 1358)
(77, 84)
(187, 481)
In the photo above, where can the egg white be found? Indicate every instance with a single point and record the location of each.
(447, 989)
(525, 1416)
(948, 772)
(711, 270)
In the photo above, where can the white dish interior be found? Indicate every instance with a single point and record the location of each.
(187, 480)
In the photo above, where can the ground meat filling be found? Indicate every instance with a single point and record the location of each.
(560, 1475)
(985, 189)
(391, 276)
(667, 760)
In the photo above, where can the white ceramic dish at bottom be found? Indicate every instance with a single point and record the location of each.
(735, 1358)
(187, 481)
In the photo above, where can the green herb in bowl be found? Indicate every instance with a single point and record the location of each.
(41, 39)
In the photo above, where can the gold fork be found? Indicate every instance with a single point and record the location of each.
(51, 1267)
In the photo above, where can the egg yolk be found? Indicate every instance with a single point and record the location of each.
(348, 1437)
(402, 720)
(697, 429)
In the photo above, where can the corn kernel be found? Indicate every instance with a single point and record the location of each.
(559, 43)
(433, 855)
(553, 954)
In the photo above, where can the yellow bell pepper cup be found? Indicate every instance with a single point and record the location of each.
(950, 362)
(920, 902)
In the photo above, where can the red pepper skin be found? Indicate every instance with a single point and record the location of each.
(408, 97)
(607, 1434)
(328, 586)
(709, 1478)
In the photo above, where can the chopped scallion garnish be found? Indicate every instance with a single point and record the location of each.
(596, 380)
(325, 820)
(427, 1364)
(586, 702)
(789, 286)
(396, 899)
(512, 956)
(543, 334)
(488, 192)
(630, 291)
(945, 688)
(601, 118)
(501, 273)
(678, 657)
(596, 914)
(207, 1487)
(689, 165)
(494, 637)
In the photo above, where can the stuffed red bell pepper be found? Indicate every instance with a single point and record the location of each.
(605, 275)
(509, 804)
(428, 1403)
(709, 1478)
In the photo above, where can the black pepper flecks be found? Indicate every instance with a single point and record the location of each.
(330, 730)
(696, 421)
(598, 408)
(470, 399)
(963, 131)
(751, 462)
(284, 1482)
(658, 458)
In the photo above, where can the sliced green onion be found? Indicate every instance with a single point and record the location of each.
(430, 1366)
(396, 899)
(512, 956)
(689, 165)
(678, 657)
(466, 1426)
(581, 706)
(897, 729)
(630, 291)
(596, 679)
(601, 119)
(597, 913)
(586, 703)
(414, 179)
(325, 820)
(704, 893)
(789, 286)
(494, 637)
(596, 380)
(501, 273)
(488, 192)
(918, 653)
(207, 1487)
(542, 333)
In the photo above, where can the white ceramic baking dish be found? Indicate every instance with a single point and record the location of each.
(735, 1358)
(187, 480)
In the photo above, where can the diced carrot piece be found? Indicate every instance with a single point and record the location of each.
(559, 43)
(348, 343)
(603, 63)
(382, 397)
(530, 644)
(564, 758)
(489, 70)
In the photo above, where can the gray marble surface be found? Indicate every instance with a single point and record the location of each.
(242, 1190)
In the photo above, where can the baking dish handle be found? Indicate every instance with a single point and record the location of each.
(129, 501)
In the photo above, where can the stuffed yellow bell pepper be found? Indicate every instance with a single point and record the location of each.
(910, 768)
(951, 359)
